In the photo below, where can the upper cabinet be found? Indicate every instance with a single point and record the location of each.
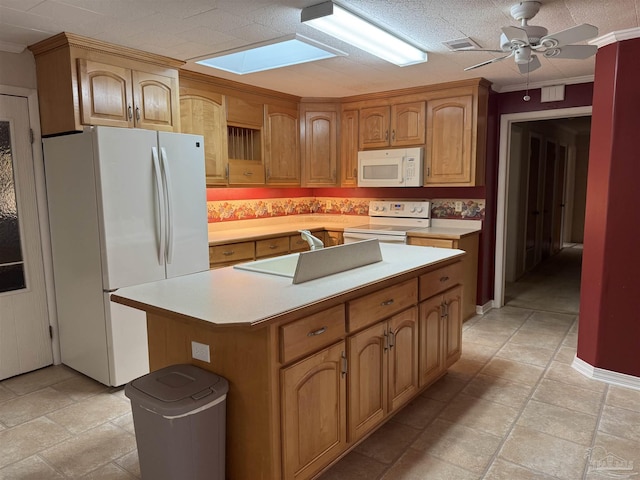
(282, 146)
(319, 137)
(82, 81)
(349, 122)
(244, 137)
(202, 112)
(395, 125)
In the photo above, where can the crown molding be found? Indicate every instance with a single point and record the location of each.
(616, 36)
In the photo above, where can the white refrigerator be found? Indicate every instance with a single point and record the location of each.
(126, 206)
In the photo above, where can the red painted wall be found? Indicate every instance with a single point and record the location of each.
(609, 334)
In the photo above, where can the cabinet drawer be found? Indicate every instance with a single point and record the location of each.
(232, 252)
(369, 309)
(440, 280)
(311, 333)
(298, 244)
(272, 246)
(433, 242)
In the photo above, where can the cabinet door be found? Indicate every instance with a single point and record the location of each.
(313, 403)
(403, 357)
(349, 148)
(320, 148)
(431, 361)
(408, 124)
(155, 99)
(452, 345)
(367, 379)
(281, 147)
(374, 127)
(106, 94)
(206, 117)
(449, 159)
(332, 238)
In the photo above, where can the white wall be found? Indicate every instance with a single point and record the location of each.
(18, 69)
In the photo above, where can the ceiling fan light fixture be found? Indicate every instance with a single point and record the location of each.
(337, 21)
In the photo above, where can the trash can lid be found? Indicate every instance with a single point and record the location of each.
(177, 389)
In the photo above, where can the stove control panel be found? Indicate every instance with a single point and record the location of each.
(400, 208)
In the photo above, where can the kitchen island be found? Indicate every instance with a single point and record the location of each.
(315, 367)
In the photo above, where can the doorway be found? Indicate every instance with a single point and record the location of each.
(536, 190)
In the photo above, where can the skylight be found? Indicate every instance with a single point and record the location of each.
(276, 53)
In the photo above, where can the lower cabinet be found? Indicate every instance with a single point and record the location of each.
(440, 334)
(383, 371)
(313, 411)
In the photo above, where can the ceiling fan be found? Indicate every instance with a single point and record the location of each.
(523, 42)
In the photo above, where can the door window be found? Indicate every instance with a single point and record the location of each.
(11, 262)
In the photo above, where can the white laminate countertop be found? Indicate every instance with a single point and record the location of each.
(247, 230)
(232, 297)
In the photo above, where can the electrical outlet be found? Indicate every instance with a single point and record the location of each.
(458, 206)
(200, 351)
(270, 208)
(329, 205)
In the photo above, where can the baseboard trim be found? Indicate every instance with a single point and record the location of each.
(607, 376)
(482, 309)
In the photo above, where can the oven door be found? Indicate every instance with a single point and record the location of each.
(351, 237)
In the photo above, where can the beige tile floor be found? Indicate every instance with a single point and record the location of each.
(512, 408)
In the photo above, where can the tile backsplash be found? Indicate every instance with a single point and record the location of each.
(228, 210)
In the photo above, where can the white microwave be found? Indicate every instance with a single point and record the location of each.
(398, 167)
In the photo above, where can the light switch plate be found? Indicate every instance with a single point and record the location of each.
(200, 351)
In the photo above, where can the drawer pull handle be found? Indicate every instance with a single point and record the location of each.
(273, 246)
(320, 331)
(387, 303)
(228, 252)
(247, 174)
(444, 279)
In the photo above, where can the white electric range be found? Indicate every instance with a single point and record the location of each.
(390, 220)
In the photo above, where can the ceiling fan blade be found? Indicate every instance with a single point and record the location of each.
(493, 60)
(575, 34)
(577, 52)
(517, 35)
(534, 64)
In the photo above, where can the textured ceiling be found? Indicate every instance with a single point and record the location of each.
(185, 29)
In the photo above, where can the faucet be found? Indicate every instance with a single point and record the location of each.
(314, 242)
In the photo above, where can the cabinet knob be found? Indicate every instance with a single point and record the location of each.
(130, 112)
(137, 113)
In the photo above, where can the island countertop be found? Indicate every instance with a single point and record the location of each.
(232, 297)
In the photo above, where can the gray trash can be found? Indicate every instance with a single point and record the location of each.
(179, 415)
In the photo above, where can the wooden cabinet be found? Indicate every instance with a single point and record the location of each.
(383, 371)
(224, 255)
(396, 125)
(332, 238)
(282, 146)
(468, 275)
(319, 137)
(244, 141)
(313, 412)
(202, 112)
(349, 121)
(82, 81)
(272, 247)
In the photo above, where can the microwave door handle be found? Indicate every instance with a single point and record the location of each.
(402, 180)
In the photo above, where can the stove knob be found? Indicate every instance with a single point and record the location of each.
(413, 210)
(420, 209)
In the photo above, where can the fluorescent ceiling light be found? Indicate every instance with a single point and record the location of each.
(338, 22)
(280, 52)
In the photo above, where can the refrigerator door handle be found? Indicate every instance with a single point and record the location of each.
(160, 203)
(168, 191)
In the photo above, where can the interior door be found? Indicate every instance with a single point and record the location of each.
(549, 189)
(559, 200)
(25, 343)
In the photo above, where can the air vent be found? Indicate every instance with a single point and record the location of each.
(461, 44)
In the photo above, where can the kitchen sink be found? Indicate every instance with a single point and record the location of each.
(305, 266)
(284, 266)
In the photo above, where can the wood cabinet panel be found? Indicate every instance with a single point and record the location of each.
(313, 412)
(452, 300)
(431, 361)
(440, 280)
(403, 358)
(368, 381)
(408, 124)
(243, 113)
(156, 101)
(231, 253)
(382, 304)
(320, 165)
(311, 333)
(272, 246)
(449, 156)
(282, 146)
(349, 122)
(374, 127)
(205, 116)
(333, 238)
